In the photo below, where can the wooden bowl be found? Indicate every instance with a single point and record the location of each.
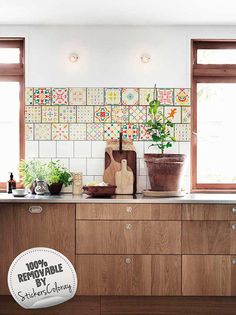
(100, 191)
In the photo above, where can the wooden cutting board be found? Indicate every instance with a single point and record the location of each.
(114, 166)
(131, 158)
(124, 180)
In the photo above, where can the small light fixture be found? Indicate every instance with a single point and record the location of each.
(145, 58)
(74, 57)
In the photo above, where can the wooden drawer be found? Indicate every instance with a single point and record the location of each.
(128, 211)
(208, 212)
(128, 237)
(209, 275)
(129, 274)
(209, 237)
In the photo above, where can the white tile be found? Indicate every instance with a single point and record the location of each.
(64, 162)
(98, 179)
(142, 167)
(31, 149)
(174, 149)
(150, 149)
(67, 189)
(87, 179)
(98, 149)
(64, 149)
(82, 149)
(47, 149)
(139, 146)
(185, 148)
(78, 165)
(148, 183)
(141, 183)
(95, 166)
(47, 160)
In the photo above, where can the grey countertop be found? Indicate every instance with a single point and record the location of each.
(139, 198)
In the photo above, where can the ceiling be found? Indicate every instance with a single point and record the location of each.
(118, 12)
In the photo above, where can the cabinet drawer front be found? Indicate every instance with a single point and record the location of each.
(208, 212)
(208, 237)
(208, 275)
(128, 237)
(128, 211)
(128, 275)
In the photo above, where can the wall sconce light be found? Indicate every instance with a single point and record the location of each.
(145, 58)
(73, 57)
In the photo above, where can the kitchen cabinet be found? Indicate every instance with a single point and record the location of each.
(128, 237)
(129, 274)
(209, 237)
(23, 226)
(209, 275)
(206, 212)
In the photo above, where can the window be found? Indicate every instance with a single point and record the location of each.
(11, 107)
(213, 115)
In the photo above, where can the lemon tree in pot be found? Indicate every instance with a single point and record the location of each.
(165, 170)
(57, 176)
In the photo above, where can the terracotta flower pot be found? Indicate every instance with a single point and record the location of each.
(165, 171)
(55, 188)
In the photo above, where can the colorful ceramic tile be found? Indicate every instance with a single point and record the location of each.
(182, 97)
(32, 114)
(85, 114)
(29, 131)
(49, 114)
(95, 96)
(143, 134)
(60, 132)
(119, 114)
(67, 114)
(95, 131)
(77, 96)
(165, 96)
(77, 131)
(102, 113)
(130, 131)
(29, 96)
(43, 132)
(173, 113)
(186, 115)
(183, 132)
(60, 96)
(111, 131)
(42, 96)
(143, 93)
(160, 112)
(112, 96)
(138, 114)
(130, 96)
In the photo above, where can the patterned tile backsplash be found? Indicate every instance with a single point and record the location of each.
(72, 124)
(101, 112)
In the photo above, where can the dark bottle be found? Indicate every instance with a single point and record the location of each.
(11, 184)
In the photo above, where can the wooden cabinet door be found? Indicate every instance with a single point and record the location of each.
(206, 211)
(128, 211)
(53, 227)
(128, 237)
(129, 274)
(208, 237)
(208, 275)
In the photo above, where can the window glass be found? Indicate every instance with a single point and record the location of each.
(9, 55)
(216, 56)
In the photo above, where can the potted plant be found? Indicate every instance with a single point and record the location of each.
(30, 172)
(165, 170)
(57, 175)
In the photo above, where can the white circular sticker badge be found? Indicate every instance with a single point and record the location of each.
(41, 277)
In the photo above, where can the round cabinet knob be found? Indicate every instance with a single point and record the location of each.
(234, 261)
(234, 210)
(233, 226)
(128, 260)
(128, 226)
(129, 209)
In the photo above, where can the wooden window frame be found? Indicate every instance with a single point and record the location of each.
(15, 72)
(207, 73)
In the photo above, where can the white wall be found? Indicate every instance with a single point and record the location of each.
(109, 56)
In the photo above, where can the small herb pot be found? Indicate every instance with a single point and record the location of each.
(55, 188)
